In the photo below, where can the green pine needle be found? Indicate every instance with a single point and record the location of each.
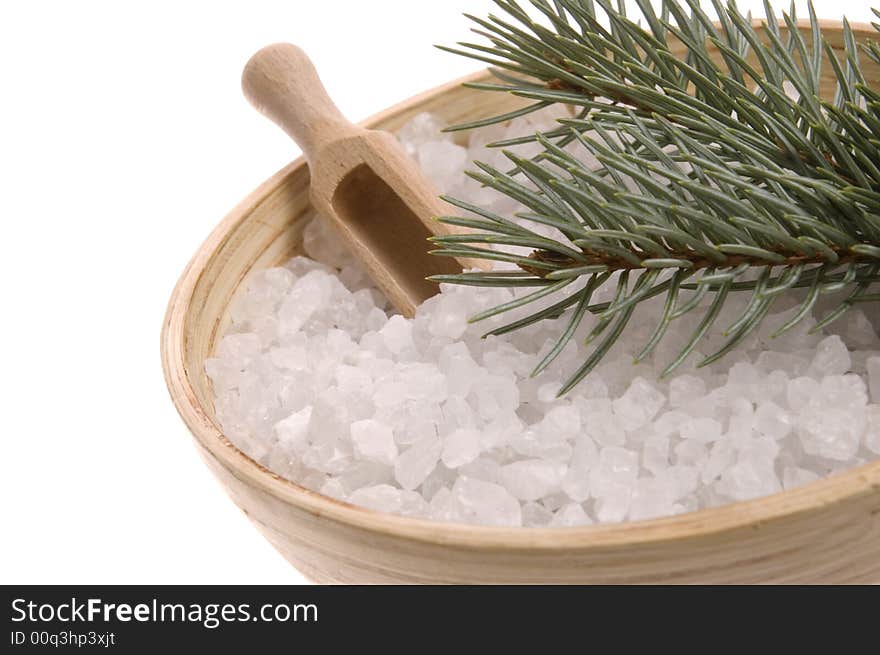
(699, 172)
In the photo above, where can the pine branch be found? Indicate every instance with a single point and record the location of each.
(713, 173)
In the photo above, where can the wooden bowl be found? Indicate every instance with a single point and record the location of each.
(828, 531)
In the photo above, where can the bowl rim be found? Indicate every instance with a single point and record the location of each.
(781, 506)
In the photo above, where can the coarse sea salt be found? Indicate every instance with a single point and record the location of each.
(321, 382)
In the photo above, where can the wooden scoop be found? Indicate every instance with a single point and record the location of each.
(361, 180)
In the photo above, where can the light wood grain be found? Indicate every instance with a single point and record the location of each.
(828, 531)
(362, 180)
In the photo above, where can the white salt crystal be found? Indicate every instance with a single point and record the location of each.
(613, 507)
(576, 483)
(322, 244)
(397, 334)
(299, 266)
(505, 360)
(461, 447)
(615, 471)
(309, 294)
(482, 468)
(457, 413)
(415, 463)
(843, 391)
(373, 344)
(670, 422)
(364, 474)
(265, 289)
(555, 500)
(570, 515)
(831, 432)
(373, 441)
(700, 429)
(501, 430)
(721, 456)
(375, 319)
(354, 277)
(691, 452)
(541, 444)
(681, 480)
(773, 386)
(535, 515)
(353, 380)
(486, 503)
(800, 392)
(241, 348)
(742, 381)
(655, 453)
(773, 421)
(442, 161)
(333, 488)
(293, 431)
(652, 498)
(857, 330)
(420, 129)
(450, 320)
(224, 374)
(639, 404)
(495, 395)
(531, 479)
(708, 405)
(685, 388)
(444, 506)
(600, 422)
(313, 480)
(327, 458)
(547, 392)
(790, 363)
(460, 369)
(594, 385)
(282, 463)
(413, 504)
(831, 358)
(434, 483)
(382, 498)
(749, 478)
(758, 446)
(792, 477)
(422, 381)
(742, 419)
(390, 392)
(564, 420)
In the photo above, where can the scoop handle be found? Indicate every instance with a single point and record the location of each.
(282, 83)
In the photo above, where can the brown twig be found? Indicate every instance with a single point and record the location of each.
(698, 262)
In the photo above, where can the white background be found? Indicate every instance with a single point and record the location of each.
(124, 139)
